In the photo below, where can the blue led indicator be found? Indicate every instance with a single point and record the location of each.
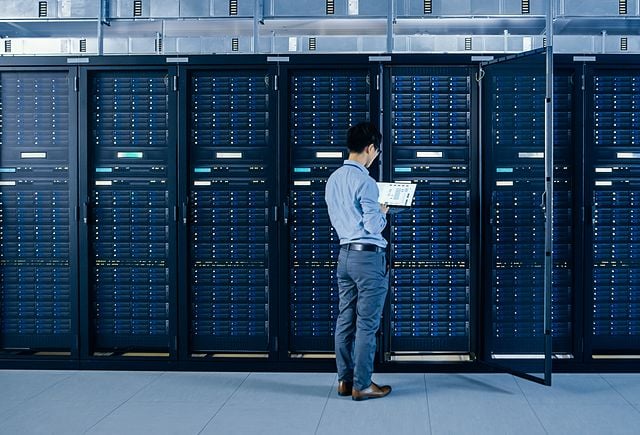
(104, 169)
(5, 170)
(201, 170)
(301, 169)
(502, 170)
(402, 169)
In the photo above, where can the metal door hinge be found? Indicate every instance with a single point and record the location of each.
(76, 84)
(175, 83)
(275, 82)
(377, 82)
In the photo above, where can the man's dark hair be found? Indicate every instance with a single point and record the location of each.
(361, 135)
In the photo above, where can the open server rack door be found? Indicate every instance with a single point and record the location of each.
(38, 254)
(613, 194)
(231, 178)
(514, 165)
(322, 104)
(431, 145)
(129, 252)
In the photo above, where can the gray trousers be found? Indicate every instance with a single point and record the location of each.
(363, 283)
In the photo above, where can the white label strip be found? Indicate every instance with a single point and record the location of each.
(328, 155)
(584, 58)
(429, 154)
(531, 155)
(302, 183)
(103, 183)
(604, 183)
(379, 58)
(228, 155)
(504, 183)
(402, 182)
(202, 183)
(7, 183)
(628, 155)
(33, 155)
(74, 60)
(481, 58)
(608, 170)
(177, 60)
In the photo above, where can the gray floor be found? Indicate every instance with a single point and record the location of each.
(67, 402)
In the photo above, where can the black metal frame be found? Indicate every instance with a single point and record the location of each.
(463, 62)
(184, 74)
(514, 366)
(285, 67)
(86, 332)
(72, 72)
(279, 358)
(624, 65)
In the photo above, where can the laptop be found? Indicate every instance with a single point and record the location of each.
(398, 196)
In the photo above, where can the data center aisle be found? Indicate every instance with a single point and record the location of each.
(56, 402)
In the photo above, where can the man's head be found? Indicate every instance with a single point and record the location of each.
(364, 139)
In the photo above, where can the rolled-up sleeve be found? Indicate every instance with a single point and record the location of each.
(373, 219)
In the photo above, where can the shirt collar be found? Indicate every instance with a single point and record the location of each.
(357, 165)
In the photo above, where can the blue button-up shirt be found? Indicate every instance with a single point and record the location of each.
(352, 198)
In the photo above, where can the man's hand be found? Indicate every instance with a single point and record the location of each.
(384, 208)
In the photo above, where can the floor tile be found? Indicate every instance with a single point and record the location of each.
(19, 385)
(627, 384)
(43, 416)
(111, 387)
(479, 404)
(275, 403)
(567, 417)
(578, 389)
(404, 411)
(139, 418)
(196, 387)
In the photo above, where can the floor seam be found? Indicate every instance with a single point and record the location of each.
(26, 399)
(426, 395)
(120, 405)
(326, 402)
(47, 389)
(621, 395)
(530, 406)
(224, 403)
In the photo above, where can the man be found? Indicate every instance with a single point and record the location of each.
(352, 199)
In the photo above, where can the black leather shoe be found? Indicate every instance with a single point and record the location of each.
(373, 391)
(344, 388)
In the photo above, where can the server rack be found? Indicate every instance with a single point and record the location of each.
(323, 102)
(228, 204)
(514, 248)
(430, 122)
(612, 203)
(38, 197)
(129, 211)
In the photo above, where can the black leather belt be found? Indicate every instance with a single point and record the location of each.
(362, 247)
